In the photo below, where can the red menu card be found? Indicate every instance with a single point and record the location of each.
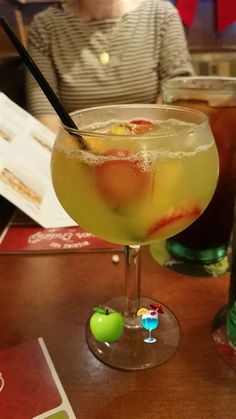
(29, 385)
(33, 238)
(23, 235)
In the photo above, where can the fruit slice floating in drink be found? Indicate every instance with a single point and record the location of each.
(134, 127)
(120, 179)
(141, 126)
(178, 217)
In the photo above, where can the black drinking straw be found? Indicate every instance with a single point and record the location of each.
(46, 88)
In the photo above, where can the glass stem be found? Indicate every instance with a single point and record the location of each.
(132, 279)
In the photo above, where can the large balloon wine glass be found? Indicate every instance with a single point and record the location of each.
(134, 174)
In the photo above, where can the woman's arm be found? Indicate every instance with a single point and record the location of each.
(175, 59)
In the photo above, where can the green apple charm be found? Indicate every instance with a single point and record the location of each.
(106, 325)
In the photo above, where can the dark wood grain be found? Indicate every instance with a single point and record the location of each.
(52, 296)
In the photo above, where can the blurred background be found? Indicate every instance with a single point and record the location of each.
(212, 43)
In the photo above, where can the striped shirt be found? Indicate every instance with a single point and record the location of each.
(145, 47)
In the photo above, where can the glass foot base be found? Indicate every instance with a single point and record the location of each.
(150, 340)
(131, 352)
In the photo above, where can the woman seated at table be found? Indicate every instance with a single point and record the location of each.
(118, 51)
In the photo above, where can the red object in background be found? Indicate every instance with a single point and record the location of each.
(226, 13)
(224, 347)
(33, 238)
(187, 10)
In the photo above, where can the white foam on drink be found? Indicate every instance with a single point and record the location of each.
(151, 152)
(144, 159)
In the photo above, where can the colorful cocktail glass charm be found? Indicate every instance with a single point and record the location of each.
(150, 320)
(106, 325)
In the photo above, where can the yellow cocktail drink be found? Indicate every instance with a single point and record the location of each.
(134, 174)
(138, 181)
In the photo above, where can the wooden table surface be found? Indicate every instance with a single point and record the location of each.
(52, 296)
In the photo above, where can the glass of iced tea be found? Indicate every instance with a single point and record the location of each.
(206, 241)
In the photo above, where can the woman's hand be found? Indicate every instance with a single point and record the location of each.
(51, 122)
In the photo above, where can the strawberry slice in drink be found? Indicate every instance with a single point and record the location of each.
(180, 218)
(120, 179)
(140, 126)
(134, 127)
